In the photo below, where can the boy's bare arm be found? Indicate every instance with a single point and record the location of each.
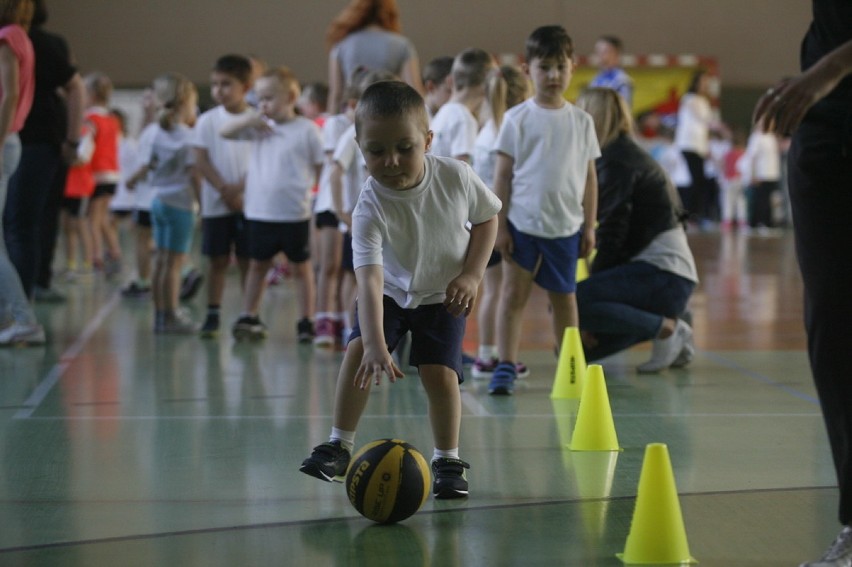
(461, 293)
(335, 180)
(231, 192)
(503, 189)
(590, 211)
(252, 120)
(377, 360)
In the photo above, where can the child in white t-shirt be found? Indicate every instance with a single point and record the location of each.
(456, 123)
(418, 268)
(285, 162)
(222, 164)
(545, 176)
(168, 167)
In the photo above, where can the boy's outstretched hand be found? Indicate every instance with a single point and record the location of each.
(374, 364)
(461, 295)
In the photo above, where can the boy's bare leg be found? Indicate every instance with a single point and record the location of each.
(564, 313)
(255, 285)
(489, 302)
(143, 252)
(216, 279)
(349, 399)
(442, 388)
(517, 285)
(306, 286)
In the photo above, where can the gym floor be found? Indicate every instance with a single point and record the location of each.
(120, 447)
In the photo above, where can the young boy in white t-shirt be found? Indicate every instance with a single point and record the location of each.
(284, 164)
(456, 123)
(222, 165)
(545, 176)
(418, 268)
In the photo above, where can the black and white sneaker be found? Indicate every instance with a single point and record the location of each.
(839, 554)
(328, 462)
(249, 328)
(305, 330)
(450, 480)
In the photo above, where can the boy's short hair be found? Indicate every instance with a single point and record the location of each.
(285, 78)
(614, 41)
(549, 41)
(470, 68)
(237, 66)
(316, 93)
(391, 99)
(437, 69)
(99, 86)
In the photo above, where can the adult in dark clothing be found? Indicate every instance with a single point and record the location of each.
(49, 140)
(816, 107)
(643, 272)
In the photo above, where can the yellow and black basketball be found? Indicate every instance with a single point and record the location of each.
(388, 480)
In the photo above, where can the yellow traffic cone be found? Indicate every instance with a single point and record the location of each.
(571, 369)
(565, 412)
(594, 430)
(657, 534)
(594, 472)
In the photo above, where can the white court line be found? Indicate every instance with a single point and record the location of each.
(473, 405)
(71, 353)
(400, 416)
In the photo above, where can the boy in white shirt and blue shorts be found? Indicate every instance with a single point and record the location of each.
(545, 177)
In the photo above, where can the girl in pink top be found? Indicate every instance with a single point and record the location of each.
(18, 324)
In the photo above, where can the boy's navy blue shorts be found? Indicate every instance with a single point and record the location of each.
(326, 219)
(219, 235)
(266, 239)
(552, 261)
(142, 217)
(347, 260)
(436, 336)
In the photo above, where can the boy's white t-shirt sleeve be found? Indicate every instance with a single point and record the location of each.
(482, 202)
(367, 247)
(201, 132)
(507, 138)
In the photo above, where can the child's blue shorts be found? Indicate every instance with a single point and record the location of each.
(552, 261)
(172, 227)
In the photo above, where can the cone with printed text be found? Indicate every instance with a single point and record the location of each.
(657, 534)
(595, 429)
(571, 369)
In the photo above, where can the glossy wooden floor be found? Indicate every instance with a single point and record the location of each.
(123, 448)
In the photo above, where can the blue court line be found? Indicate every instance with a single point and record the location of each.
(758, 376)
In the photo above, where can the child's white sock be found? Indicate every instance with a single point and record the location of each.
(445, 454)
(346, 438)
(487, 352)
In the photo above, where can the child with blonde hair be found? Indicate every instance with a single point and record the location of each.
(168, 165)
(285, 161)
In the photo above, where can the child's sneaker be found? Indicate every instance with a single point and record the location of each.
(134, 290)
(328, 462)
(450, 479)
(210, 328)
(179, 324)
(305, 330)
(325, 333)
(483, 369)
(503, 380)
(249, 328)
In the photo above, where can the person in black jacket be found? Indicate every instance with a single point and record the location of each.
(643, 272)
(49, 141)
(816, 108)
